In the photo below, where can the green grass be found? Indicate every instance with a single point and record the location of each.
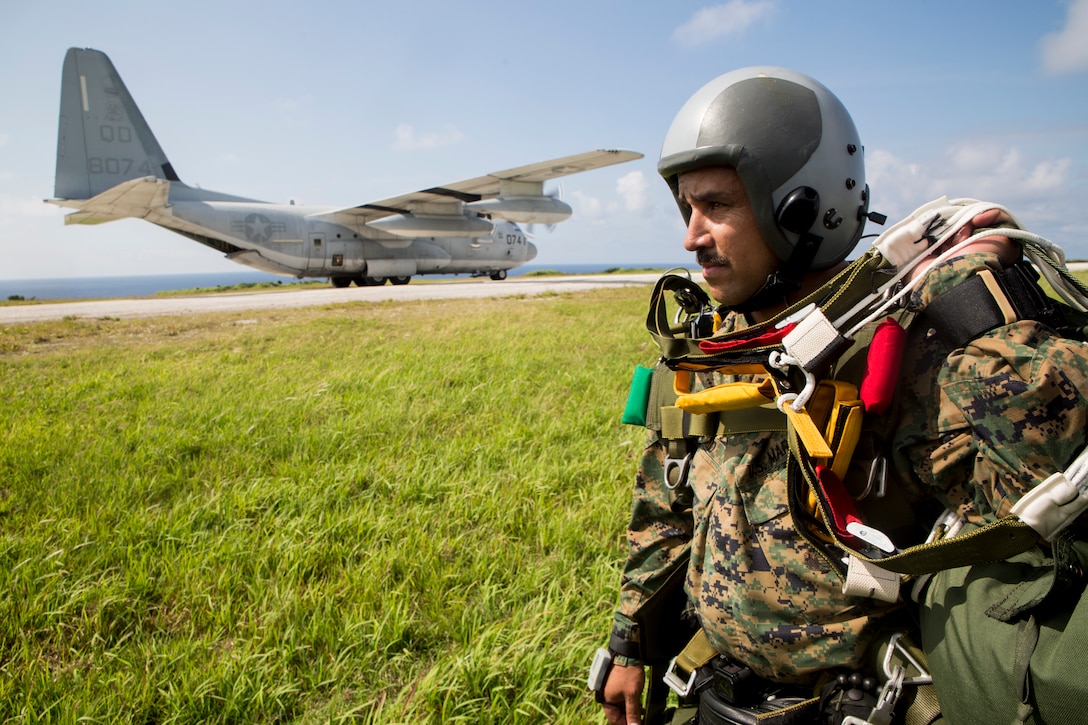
(384, 513)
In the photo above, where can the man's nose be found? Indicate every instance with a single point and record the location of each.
(698, 234)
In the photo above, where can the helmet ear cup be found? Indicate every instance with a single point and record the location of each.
(797, 213)
(798, 210)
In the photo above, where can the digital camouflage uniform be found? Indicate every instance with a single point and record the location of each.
(972, 428)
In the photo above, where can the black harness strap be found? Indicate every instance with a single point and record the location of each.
(986, 301)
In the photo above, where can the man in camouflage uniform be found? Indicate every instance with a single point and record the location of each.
(975, 424)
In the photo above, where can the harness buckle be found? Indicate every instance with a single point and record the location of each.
(893, 686)
(877, 483)
(896, 648)
(680, 466)
(676, 682)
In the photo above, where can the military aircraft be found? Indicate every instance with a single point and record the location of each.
(109, 166)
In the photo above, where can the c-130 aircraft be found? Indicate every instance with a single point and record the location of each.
(109, 166)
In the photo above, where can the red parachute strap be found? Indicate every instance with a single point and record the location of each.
(770, 337)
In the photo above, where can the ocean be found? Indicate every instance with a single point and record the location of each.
(80, 288)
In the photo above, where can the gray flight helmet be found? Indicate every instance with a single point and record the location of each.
(796, 151)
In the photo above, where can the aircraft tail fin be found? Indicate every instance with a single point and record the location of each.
(102, 139)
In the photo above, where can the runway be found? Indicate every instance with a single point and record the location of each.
(289, 299)
(233, 302)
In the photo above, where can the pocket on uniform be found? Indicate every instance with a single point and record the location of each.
(952, 452)
(762, 485)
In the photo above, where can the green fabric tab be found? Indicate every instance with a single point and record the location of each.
(672, 423)
(634, 412)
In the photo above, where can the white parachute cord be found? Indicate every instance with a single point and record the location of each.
(894, 247)
(910, 286)
(1036, 249)
(1077, 471)
(1049, 259)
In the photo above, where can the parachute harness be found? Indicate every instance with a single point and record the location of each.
(792, 350)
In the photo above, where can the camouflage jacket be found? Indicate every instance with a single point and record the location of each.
(972, 429)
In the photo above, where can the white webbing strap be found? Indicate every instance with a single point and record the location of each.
(1053, 504)
(907, 243)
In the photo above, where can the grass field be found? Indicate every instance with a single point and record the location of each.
(369, 513)
(375, 513)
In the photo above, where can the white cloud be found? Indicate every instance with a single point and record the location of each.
(587, 206)
(1008, 175)
(1049, 176)
(1041, 192)
(1067, 50)
(722, 21)
(407, 139)
(633, 189)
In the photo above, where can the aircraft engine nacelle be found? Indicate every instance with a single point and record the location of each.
(524, 209)
(410, 225)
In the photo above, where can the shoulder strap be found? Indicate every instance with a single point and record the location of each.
(987, 300)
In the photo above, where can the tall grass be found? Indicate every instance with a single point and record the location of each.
(383, 513)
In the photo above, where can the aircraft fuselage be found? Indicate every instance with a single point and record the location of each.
(288, 239)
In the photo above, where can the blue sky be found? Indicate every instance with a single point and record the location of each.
(343, 103)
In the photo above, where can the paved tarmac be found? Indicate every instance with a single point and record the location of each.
(157, 306)
(443, 290)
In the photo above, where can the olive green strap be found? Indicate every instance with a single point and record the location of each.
(696, 653)
(752, 420)
(838, 298)
(677, 424)
(996, 541)
(924, 709)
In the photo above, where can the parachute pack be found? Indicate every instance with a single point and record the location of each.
(1014, 585)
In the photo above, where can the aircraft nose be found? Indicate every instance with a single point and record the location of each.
(530, 251)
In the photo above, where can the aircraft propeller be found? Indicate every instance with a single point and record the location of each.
(555, 193)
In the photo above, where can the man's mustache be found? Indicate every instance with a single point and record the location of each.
(705, 258)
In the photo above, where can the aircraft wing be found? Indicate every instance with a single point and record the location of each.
(520, 181)
(132, 198)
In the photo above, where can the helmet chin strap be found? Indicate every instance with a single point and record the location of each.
(785, 280)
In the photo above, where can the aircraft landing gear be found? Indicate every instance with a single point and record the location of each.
(499, 276)
(340, 282)
(400, 280)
